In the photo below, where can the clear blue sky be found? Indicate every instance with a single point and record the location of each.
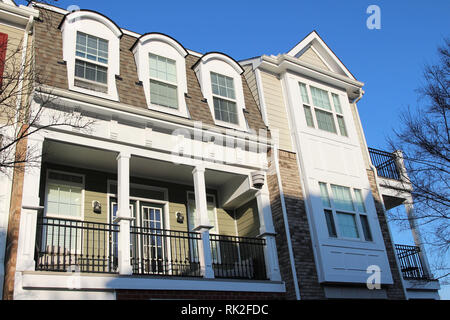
(389, 61)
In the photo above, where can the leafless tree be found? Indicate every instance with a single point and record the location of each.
(25, 110)
(424, 138)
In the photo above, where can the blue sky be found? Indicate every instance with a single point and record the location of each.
(389, 61)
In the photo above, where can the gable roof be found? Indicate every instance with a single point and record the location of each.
(313, 42)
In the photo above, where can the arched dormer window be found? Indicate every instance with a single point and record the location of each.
(221, 83)
(161, 66)
(91, 49)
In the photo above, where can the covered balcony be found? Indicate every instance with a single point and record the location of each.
(115, 214)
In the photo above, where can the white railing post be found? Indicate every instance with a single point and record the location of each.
(124, 217)
(202, 223)
(267, 232)
(30, 208)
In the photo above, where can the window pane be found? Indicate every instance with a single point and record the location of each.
(308, 116)
(366, 228)
(163, 94)
(225, 110)
(64, 200)
(320, 98)
(325, 121)
(347, 225)
(337, 103)
(91, 72)
(163, 68)
(342, 198)
(360, 206)
(342, 127)
(222, 85)
(330, 223)
(304, 93)
(92, 48)
(324, 194)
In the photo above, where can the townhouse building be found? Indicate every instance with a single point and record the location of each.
(336, 190)
(194, 176)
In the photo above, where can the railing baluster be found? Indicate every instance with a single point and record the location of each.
(60, 244)
(385, 164)
(410, 262)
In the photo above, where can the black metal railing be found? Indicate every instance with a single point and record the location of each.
(165, 252)
(410, 263)
(385, 164)
(64, 245)
(238, 257)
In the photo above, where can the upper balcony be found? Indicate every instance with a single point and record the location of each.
(392, 175)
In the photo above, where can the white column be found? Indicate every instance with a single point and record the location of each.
(409, 206)
(123, 213)
(400, 163)
(267, 232)
(30, 209)
(202, 224)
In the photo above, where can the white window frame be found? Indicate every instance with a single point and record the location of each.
(173, 84)
(313, 108)
(223, 65)
(99, 26)
(81, 185)
(228, 99)
(164, 46)
(98, 63)
(356, 213)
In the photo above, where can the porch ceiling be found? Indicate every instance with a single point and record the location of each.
(105, 161)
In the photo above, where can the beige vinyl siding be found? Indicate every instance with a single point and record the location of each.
(96, 190)
(226, 222)
(311, 57)
(276, 110)
(13, 59)
(250, 76)
(247, 219)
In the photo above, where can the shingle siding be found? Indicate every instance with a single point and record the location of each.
(53, 72)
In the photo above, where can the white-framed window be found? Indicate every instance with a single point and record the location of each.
(345, 212)
(323, 109)
(161, 67)
(91, 50)
(224, 98)
(64, 195)
(91, 62)
(163, 81)
(63, 200)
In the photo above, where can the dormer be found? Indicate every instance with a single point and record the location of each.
(221, 83)
(314, 51)
(161, 67)
(91, 50)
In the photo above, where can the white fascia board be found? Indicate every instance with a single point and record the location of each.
(116, 282)
(284, 63)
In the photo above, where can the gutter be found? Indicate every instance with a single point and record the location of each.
(22, 66)
(20, 10)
